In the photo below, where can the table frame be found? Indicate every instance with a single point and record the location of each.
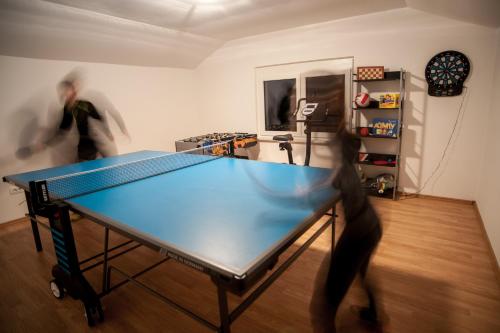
(58, 215)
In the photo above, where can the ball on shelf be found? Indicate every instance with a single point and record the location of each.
(362, 100)
(364, 131)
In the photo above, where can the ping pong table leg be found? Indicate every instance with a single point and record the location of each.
(67, 273)
(223, 310)
(105, 277)
(34, 225)
(334, 220)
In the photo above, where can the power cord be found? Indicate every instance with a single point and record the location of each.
(461, 113)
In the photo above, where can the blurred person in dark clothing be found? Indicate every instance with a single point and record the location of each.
(80, 111)
(83, 114)
(352, 253)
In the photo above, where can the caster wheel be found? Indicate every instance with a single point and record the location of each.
(57, 289)
(90, 315)
(93, 314)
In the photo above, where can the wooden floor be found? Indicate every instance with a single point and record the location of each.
(433, 269)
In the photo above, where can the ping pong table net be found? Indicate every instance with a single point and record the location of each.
(76, 184)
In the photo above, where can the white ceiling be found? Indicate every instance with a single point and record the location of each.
(181, 33)
(229, 19)
(481, 12)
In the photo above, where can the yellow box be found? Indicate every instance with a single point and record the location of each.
(389, 101)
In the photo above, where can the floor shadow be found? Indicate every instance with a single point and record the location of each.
(409, 302)
(412, 148)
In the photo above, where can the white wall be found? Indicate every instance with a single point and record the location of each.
(399, 38)
(160, 105)
(488, 198)
(157, 105)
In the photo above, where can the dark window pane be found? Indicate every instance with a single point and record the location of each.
(279, 99)
(329, 92)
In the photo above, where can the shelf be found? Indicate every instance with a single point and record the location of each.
(377, 159)
(377, 137)
(388, 76)
(384, 163)
(378, 165)
(378, 80)
(372, 108)
(373, 105)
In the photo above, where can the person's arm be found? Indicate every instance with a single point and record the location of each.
(118, 120)
(55, 134)
(93, 113)
(49, 137)
(101, 102)
(337, 180)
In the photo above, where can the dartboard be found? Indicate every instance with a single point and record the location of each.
(446, 72)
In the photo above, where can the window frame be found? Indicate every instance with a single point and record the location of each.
(300, 71)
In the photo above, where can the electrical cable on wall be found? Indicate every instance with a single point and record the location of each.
(461, 113)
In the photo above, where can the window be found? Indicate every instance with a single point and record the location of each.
(279, 87)
(329, 92)
(279, 104)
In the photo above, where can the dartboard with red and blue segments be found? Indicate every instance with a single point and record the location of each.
(446, 73)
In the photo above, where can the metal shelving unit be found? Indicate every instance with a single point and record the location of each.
(394, 76)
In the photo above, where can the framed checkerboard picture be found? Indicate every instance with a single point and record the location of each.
(370, 73)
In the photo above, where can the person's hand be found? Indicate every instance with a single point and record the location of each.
(38, 147)
(26, 152)
(127, 135)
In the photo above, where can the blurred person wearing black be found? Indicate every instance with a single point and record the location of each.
(80, 111)
(361, 235)
(89, 121)
(355, 247)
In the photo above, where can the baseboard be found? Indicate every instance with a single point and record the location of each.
(493, 257)
(9, 223)
(408, 195)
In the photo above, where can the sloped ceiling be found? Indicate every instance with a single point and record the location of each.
(481, 12)
(230, 19)
(39, 29)
(181, 33)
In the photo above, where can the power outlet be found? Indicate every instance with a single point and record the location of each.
(15, 190)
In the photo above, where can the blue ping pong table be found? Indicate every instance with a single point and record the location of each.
(228, 218)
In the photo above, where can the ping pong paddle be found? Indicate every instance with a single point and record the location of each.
(28, 151)
(24, 153)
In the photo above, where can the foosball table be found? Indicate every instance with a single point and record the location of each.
(237, 144)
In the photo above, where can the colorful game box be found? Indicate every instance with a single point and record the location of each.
(389, 101)
(383, 127)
